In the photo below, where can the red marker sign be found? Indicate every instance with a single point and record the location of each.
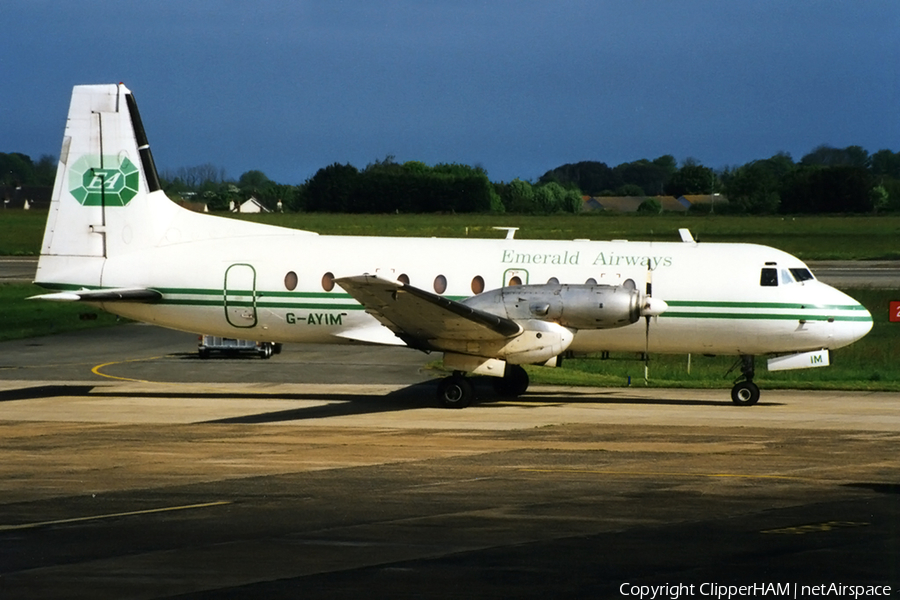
(895, 312)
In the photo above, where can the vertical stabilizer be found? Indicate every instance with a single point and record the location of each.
(101, 203)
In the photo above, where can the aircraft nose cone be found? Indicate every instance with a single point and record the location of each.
(850, 319)
(853, 328)
(864, 326)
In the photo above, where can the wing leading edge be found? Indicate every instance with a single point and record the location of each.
(417, 317)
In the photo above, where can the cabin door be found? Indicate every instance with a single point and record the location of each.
(240, 296)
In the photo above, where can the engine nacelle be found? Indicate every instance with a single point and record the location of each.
(538, 342)
(575, 306)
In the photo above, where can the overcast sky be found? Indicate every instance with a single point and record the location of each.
(517, 87)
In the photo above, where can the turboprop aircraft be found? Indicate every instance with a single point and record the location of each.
(115, 241)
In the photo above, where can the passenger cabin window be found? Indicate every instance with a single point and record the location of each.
(328, 281)
(768, 277)
(440, 284)
(477, 284)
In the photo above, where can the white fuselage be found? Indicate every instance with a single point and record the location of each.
(115, 240)
(272, 285)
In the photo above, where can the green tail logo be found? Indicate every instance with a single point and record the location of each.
(113, 185)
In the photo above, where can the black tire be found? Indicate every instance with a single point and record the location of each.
(455, 392)
(204, 353)
(745, 393)
(514, 382)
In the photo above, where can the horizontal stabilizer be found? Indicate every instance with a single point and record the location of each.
(112, 295)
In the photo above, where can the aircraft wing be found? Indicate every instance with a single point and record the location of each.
(110, 295)
(417, 316)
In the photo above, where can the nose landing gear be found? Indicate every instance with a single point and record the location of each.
(745, 392)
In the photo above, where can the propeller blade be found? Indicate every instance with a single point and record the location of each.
(652, 307)
(647, 350)
(648, 296)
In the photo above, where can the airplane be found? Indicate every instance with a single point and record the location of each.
(115, 241)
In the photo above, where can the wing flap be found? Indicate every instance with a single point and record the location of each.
(375, 334)
(417, 316)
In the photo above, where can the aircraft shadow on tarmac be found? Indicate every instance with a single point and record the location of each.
(881, 488)
(45, 391)
(419, 395)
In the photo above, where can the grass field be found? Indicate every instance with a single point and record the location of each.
(810, 238)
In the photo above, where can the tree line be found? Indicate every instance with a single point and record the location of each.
(18, 169)
(826, 180)
(383, 186)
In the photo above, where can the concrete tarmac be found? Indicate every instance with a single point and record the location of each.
(132, 469)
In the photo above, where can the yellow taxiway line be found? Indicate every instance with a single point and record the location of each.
(96, 370)
(110, 516)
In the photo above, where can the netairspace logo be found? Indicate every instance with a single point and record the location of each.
(758, 590)
(113, 184)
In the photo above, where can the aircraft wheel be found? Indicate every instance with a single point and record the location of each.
(455, 392)
(513, 383)
(203, 352)
(745, 393)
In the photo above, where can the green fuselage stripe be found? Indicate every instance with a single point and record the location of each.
(763, 305)
(702, 309)
(760, 316)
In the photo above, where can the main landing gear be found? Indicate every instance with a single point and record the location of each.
(513, 383)
(457, 391)
(745, 392)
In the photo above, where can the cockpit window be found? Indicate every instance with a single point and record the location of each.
(768, 277)
(801, 274)
(786, 277)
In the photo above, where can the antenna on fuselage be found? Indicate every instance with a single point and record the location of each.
(686, 236)
(510, 231)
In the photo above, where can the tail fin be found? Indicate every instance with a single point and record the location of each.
(107, 202)
(102, 196)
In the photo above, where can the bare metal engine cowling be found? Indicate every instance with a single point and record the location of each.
(575, 306)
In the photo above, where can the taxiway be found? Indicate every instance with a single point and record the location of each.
(132, 469)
